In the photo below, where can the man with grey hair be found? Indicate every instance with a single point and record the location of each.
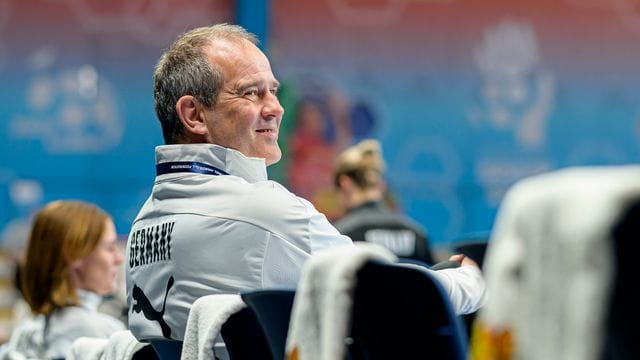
(214, 223)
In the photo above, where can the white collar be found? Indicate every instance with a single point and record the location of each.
(231, 161)
(88, 300)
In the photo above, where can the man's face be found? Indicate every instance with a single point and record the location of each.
(247, 114)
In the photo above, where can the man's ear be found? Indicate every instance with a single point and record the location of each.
(190, 113)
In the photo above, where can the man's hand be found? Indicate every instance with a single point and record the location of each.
(463, 260)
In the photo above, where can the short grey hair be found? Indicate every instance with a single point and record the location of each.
(184, 69)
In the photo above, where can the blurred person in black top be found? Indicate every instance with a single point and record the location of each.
(359, 180)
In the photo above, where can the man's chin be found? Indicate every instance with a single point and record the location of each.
(273, 158)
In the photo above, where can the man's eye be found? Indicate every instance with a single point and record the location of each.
(274, 91)
(251, 92)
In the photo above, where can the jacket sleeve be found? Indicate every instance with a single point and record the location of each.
(323, 235)
(465, 286)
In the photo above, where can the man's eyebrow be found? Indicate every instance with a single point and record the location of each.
(242, 86)
(258, 84)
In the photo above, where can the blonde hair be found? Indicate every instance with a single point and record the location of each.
(362, 163)
(63, 231)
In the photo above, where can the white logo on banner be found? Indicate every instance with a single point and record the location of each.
(71, 110)
(496, 174)
(515, 96)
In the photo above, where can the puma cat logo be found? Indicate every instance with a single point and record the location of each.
(143, 304)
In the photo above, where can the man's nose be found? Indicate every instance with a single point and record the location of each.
(272, 107)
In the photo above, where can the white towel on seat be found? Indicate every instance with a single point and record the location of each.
(206, 317)
(549, 263)
(121, 345)
(321, 311)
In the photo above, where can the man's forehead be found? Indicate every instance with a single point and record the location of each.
(238, 61)
(221, 49)
(228, 47)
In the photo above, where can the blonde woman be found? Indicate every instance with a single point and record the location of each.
(359, 179)
(71, 261)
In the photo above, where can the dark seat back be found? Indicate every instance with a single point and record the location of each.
(403, 313)
(622, 327)
(146, 353)
(167, 349)
(273, 310)
(244, 337)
